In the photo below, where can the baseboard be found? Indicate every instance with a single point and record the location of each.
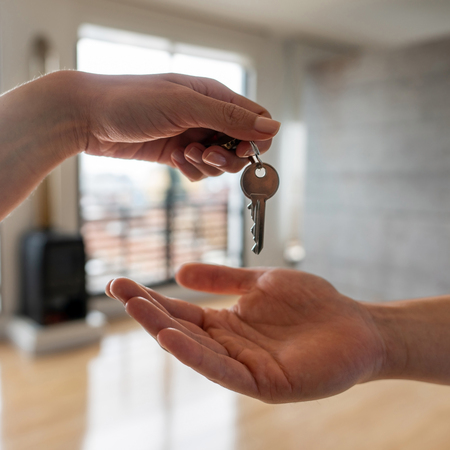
(37, 339)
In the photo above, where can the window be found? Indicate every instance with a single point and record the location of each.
(143, 220)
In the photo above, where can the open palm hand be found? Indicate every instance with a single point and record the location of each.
(291, 336)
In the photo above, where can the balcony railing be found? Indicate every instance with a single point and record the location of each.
(150, 245)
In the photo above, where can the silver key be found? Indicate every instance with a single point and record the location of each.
(259, 182)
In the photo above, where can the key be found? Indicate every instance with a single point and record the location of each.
(222, 140)
(259, 182)
(229, 143)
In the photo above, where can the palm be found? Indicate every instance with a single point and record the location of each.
(152, 148)
(291, 336)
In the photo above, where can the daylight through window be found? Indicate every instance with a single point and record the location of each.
(140, 219)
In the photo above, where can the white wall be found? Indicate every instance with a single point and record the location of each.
(378, 191)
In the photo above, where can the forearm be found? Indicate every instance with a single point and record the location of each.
(37, 132)
(416, 335)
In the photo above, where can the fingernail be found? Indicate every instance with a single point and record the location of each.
(115, 296)
(195, 154)
(266, 125)
(108, 289)
(249, 152)
(216, 159)
(178, 156)
(159, 342)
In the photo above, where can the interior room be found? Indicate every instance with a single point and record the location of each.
(362, 91)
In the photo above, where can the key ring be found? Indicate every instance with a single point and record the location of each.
(256, 159)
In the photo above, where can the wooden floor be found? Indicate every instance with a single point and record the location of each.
(126, 393)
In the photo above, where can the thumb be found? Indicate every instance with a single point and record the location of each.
(217, 279)
(231, 119)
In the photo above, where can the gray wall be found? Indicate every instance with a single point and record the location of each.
(377, 214)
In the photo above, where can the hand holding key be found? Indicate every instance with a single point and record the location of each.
(161, 118)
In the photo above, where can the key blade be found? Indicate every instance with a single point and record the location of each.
(259, 204)
(255, 228)
(260, 223)
(252, 210)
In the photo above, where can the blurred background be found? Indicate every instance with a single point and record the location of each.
(363, 93)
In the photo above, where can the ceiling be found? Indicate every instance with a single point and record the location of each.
(355, 22)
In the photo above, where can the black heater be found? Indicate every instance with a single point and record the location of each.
(53, 277)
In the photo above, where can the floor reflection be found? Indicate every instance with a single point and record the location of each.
(44, 399)
(140, 397)
(127, 393)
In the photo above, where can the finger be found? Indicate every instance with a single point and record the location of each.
(180, 309)
(154, 319)
(235, 121)
(223, 159)
(244, 149)
(194, 154)
(123, 289)
(219, 368)
(108, 290)
(201, 111)
(217, 279)
(185, 167)
(215, 89)
(188, 315)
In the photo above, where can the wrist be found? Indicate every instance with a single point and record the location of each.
(39, 128)
(43, 118)
(59, 105)
(388, 321)
(416, 338)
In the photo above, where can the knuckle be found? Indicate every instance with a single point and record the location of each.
(235, 168)
(234, 114)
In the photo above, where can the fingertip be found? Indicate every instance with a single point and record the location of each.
(178, 158)
(188, 170)
(123, 289)
(194, 154)
(162, 338)
(244, 149)
(183, 347)
(223, 160)
(108, 289)
(184, 272)
(266, 125)
(137, 307)
(170, 339)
